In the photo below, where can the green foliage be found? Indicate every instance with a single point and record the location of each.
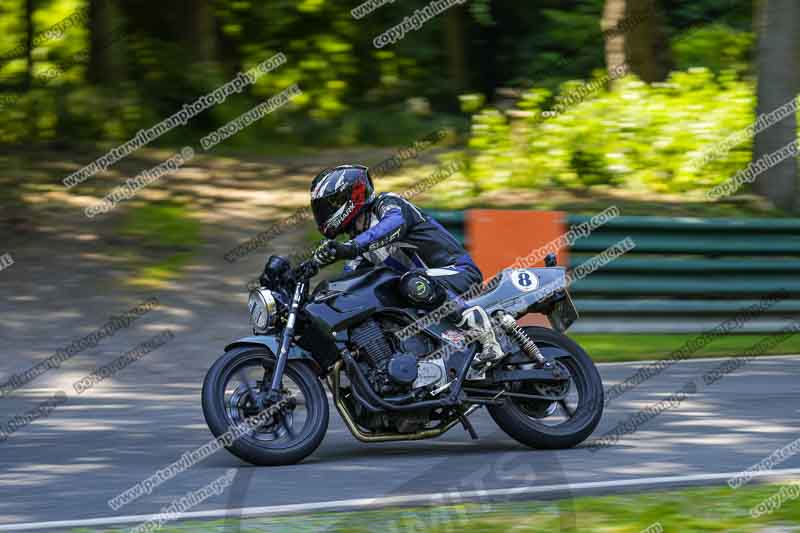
(682, 14)
(645, 137)
(353, 93)
(549, 44)
(716, 46)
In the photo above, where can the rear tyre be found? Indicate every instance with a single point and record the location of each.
(527, 421)
(291, 431)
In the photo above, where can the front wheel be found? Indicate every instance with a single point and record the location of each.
(283, 433)
(561, 423)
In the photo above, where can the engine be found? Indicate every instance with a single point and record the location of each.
(393, 366)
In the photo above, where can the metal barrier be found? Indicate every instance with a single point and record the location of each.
(685, 274)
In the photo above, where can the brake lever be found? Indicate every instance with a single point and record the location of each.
(307, 270)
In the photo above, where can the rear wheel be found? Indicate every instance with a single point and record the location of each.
(561, 423)
(280, 434)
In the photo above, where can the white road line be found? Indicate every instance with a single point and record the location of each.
(410, 499)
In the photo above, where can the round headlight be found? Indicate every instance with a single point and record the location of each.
(263, 309)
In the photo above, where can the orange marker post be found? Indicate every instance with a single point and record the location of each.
(498, 238)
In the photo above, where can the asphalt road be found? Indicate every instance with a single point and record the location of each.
(92, 448)
(69, 464)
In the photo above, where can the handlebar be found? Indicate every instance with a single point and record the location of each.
(307, 269)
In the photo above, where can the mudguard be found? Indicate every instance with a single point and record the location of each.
(272, 343)
(552, 352)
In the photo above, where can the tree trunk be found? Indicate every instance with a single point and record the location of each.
(456, 47)
(634, 35)
(613, 15)
(29, 31)
(106, 56)
(200, 35)
(778, 28)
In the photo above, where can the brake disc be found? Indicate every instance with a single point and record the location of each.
(545, 408)
(241, 408)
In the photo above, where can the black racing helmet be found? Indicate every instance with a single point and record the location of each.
(338, 196)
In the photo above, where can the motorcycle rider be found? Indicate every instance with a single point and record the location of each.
(389, 230)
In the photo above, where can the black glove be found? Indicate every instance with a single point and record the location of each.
(306, 271)
(331, 251)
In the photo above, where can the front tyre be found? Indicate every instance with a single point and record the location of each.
(281, 434)
(554, 424)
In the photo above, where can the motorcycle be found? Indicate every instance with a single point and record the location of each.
(396, 372)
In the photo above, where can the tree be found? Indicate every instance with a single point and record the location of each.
(200, 31)
(777, 23)
(106, 60)
(634, 34)
(456, 46)
(29, 29)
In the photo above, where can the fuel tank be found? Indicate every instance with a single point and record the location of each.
(345, 301)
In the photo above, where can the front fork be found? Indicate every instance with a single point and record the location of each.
(274, 393)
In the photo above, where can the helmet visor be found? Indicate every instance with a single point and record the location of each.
(326, 208)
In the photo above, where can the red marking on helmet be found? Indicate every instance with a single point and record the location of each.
(359, 198)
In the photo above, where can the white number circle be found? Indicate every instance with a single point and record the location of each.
(524, 280)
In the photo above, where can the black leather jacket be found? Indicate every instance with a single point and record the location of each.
(396, 233)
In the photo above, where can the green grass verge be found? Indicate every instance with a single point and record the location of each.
(161, 224)
(166, 231)
(614, 347)
(709, 509)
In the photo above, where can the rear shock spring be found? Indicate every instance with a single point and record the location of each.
(528, 346)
